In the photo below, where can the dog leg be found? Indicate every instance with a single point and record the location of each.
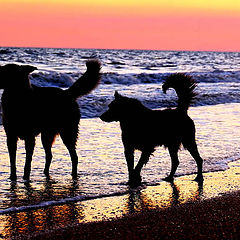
(70, 142)
(142, 161)
(192, 148)
(29, 146)
(74, 158)
(173, 151)
(12, 149)
(47, 141)
(129, 155)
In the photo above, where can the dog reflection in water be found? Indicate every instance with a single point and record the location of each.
(145, 129)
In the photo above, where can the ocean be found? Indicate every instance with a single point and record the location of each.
(134, 73)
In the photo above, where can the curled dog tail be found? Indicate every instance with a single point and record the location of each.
(88, 81)
(184, 85)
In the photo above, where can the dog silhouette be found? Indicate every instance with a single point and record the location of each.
(145, 129)
(29, 110)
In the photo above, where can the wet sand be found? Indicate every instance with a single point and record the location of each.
(183, 210)
(216, 218)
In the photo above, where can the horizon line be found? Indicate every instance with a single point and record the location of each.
(133, 49)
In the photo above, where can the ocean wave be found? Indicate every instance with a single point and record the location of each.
(67, 200)
(51, 79)
(62, 79)
(151, 95)
(215, 76)
(213, 88)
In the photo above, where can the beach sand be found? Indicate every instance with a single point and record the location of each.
(183, 210)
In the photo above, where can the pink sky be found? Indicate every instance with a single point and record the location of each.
(71, 24)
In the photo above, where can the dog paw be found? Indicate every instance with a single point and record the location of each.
(135, 180)
(13, 177)
(26, 177)
(74, 175)
(199, 178)
(134, 184)
(46, 173)
(168, 179)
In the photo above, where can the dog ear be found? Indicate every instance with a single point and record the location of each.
(28, 68)
(117, 95)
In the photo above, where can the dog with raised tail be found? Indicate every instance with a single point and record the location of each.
(145, 129)
(29, 110)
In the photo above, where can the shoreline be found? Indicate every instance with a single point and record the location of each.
(97, 218)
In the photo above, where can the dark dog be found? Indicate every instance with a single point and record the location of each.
(144, 129)
(29, 110)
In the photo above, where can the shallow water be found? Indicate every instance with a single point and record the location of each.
(102, 168)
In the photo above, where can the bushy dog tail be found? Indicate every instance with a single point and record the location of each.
(184, 85)
(88, 81)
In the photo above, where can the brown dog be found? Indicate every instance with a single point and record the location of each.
(145, 129)
(29, 110)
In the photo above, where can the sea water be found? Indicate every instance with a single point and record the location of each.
(134, 73)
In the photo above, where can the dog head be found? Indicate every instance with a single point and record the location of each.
(14, 75)
(121, 108)
(114, 109)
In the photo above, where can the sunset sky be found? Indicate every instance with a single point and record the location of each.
(123, 24)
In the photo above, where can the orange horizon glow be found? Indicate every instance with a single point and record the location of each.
(158, 25)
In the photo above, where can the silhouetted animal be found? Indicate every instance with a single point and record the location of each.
(29, 110)
(144, 129)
